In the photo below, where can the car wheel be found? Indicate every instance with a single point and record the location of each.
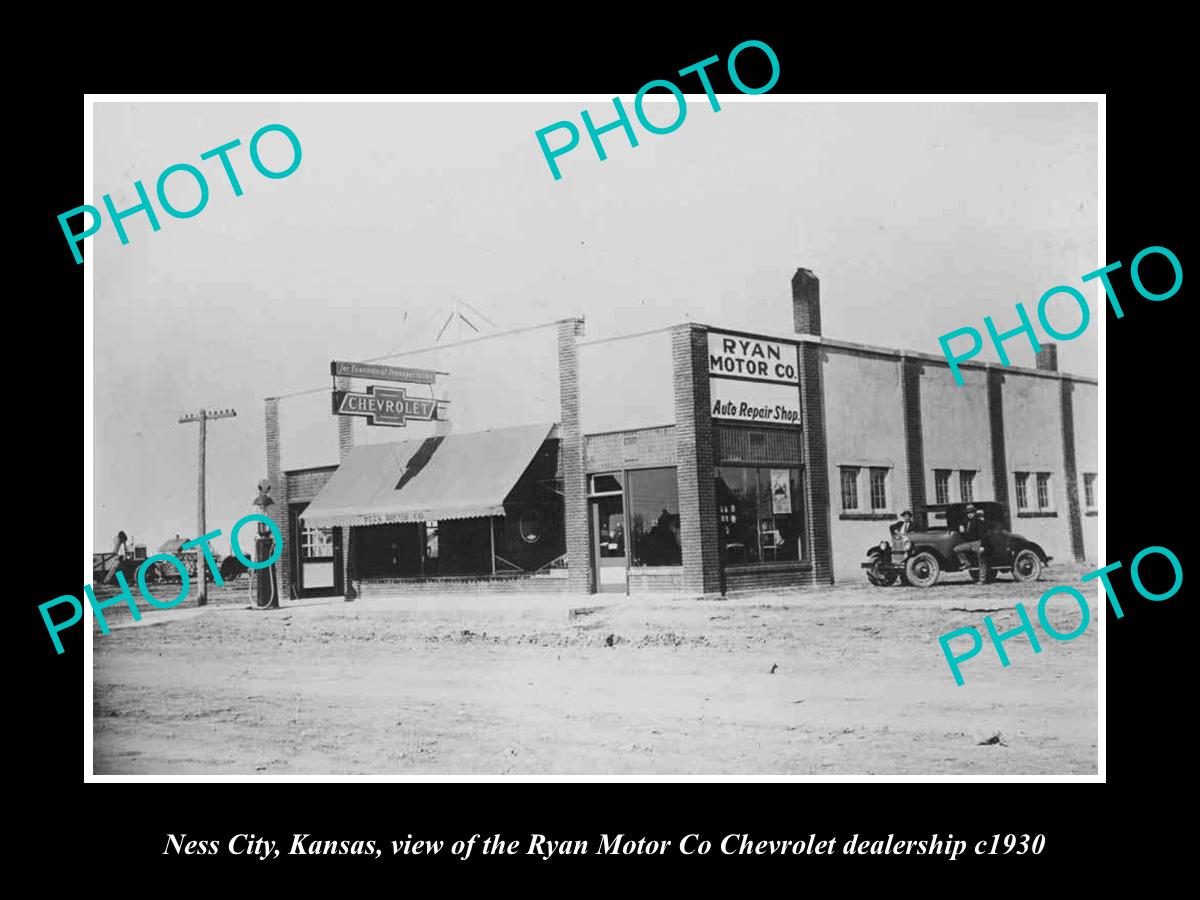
(922, 570)
(1026, 566)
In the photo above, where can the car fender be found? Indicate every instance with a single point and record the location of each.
(946, 562)
(1024, 544)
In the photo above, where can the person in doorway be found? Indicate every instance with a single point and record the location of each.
(974, 531)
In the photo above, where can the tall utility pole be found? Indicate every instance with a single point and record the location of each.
(202, 417)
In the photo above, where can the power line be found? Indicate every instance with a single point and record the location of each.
(473, 340)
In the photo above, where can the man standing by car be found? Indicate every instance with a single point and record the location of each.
(974, 530)
(904, 526)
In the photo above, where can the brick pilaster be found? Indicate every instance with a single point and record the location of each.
(278, 512)
(345, 431)
(816, 462)
(698, 526)
(570, 448)
(995, 402)
(1069, 468)
(345, 424)
(914, 438)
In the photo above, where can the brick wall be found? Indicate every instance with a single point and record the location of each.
(995, 399)
(806, 302)
(761, 578)
(694, 451)
(550, 583)
(663, 579)
(816, 468)
(303, 486)
(914, 445)
(636, 449)
(579, 570)
(1070, 470)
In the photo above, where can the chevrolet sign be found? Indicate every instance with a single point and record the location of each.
(386, 406)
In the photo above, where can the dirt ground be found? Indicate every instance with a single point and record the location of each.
(848, 680)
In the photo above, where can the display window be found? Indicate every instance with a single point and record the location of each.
(759, 510)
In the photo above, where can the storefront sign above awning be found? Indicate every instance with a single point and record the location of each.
(387, 406)
(383, 373)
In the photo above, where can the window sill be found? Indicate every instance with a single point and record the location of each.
(868, 517)
(1037, 514)
(656, 570)
(746, 568)
(1091, 512)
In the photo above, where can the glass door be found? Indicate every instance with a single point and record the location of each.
(317, 558)
(609, 540)
(608, 528)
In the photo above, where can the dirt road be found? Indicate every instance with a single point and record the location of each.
(848, 680)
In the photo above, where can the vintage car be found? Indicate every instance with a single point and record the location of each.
(920, 557)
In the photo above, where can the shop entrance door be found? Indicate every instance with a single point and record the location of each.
(608, 543)
(316, 558)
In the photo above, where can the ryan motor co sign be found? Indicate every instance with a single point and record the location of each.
(753, 380)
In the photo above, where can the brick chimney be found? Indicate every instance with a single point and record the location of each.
(806, 302)
(1047, 357)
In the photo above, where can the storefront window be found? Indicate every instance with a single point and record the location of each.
(653, 496)
(759, 514)
(608, 483)
(316, 543)
(387, 551)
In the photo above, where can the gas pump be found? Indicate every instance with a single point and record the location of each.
(264, 583)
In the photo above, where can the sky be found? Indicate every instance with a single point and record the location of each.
(918, 218)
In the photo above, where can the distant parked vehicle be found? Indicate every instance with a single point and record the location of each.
(103, 563)
(920, 557)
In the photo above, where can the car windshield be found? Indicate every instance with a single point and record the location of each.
(937, 519)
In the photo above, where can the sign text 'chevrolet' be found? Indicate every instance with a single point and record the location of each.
(386, 406)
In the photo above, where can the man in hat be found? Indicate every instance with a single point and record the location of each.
(973, 531)
(904, 526)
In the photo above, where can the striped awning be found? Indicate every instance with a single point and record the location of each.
(453, 476)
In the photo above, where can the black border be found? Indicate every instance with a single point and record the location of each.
(1148, 406)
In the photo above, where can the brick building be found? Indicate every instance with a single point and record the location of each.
(693, 458)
